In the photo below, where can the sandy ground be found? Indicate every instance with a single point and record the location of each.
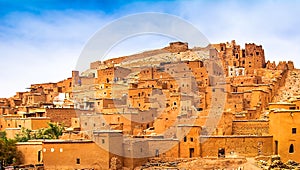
(213, 164)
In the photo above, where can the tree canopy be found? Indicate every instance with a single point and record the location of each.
(9, 155)
(54, 131)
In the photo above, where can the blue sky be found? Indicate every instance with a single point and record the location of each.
(41, 40)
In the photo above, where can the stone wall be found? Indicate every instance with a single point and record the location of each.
(250, 127)
(61, 115)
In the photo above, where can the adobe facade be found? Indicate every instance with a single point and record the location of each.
(220, 101)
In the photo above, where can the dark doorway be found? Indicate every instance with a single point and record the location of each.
(291, 149)
(156, 153)
(192, 152)
(276, 147)
(221, 153)
(164, 86)
(39, 156)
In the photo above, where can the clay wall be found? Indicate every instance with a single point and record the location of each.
(248, 146)
(250, 127)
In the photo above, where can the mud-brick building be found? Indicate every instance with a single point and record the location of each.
(31, 152)
(284, 126)
(74, 154)
(238, 61)
(236, 145)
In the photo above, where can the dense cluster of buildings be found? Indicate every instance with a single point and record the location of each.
(175, 102)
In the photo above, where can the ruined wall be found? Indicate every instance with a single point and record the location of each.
(177, 47)
(95, 65)
(250, 127)
(271, 66)
(61, 115)
(255, 57)
(250, 58)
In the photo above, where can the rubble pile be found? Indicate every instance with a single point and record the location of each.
(276, 163)
(195, 163)
(159, 163)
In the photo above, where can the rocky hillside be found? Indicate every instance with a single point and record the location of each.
(291, 87)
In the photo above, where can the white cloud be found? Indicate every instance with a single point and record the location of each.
(42, 48)
(272, 24)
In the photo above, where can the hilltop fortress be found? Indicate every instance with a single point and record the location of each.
(221, 101)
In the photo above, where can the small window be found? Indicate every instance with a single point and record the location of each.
(291, 149)
(294, 130)
(77, 160)
(192, 139)
(184, 139)
(103, 141)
